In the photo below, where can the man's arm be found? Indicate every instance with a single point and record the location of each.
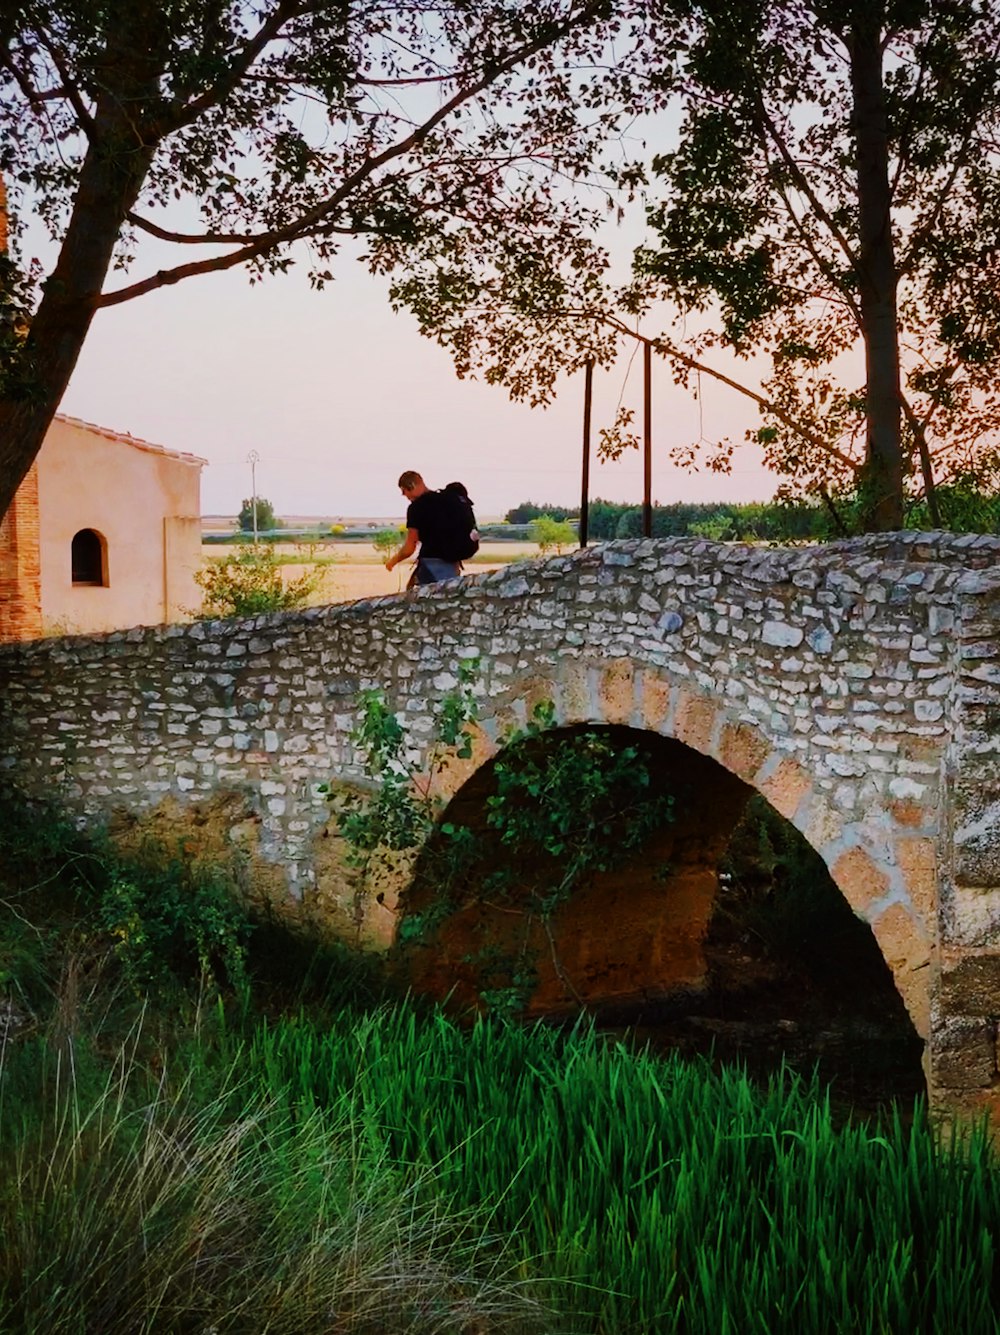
(407, 549)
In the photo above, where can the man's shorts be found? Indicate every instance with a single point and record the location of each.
(431, 570)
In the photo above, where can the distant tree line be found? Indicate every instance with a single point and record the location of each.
(720, 522)
(608, 519)
(528, 511)
(961, 509)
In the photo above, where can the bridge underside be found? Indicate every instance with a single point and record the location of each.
(629, 934)
(649, 943)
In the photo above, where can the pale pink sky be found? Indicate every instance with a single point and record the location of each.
(338, 395)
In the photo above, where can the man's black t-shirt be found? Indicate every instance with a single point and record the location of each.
(424, 514)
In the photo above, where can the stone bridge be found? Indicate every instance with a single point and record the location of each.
(856, 686)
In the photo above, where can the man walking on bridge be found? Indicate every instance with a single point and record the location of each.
(426, 526)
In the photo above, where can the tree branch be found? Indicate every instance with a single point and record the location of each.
(315, 220)
(768, 129)
(184, 114)
(32, 95)
(918, 429)
(674, 353)
(69, 89)
(824, 266)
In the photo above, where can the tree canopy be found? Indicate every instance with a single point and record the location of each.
(834, 204)
(830, 204)
(256, 513)
(444, 135)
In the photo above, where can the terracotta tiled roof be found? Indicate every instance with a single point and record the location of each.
(134, 441)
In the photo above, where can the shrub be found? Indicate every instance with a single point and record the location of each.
(75, 902)
(551, 533)
(717, 528)
(250, 582)
(172, 919)
(386, 540)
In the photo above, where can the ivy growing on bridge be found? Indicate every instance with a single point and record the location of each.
(560, 810)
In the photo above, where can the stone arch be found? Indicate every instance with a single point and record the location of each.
(660, 899)
(886, 869)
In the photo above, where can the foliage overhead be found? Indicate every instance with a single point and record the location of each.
(830, 203)
(442, 136)
(829, 206)
(833, 205)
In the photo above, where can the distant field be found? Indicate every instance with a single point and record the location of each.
(353, 570)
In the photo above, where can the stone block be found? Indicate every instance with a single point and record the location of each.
(694, 721)
(917, 859)
(535, 691)
(743, 750)
(970, 916)
(617, 691)
(786, 787)
(859, 879)
(820, 823)
(654, 695)
(906, 949)
(963, 1053)
(573, 693)
(907, 812)
(970, 985)
(975, 803)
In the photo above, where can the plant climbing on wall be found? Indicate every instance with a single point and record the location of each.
(561, 809)
(399, 808)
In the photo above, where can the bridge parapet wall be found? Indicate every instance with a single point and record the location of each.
(839, 659)
(853, 684)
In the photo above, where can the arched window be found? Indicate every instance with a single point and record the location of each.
(89, 558)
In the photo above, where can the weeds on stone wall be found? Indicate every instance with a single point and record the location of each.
(155, 918)
(401, 808)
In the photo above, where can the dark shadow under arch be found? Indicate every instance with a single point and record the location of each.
(793, 975)
(725, 933)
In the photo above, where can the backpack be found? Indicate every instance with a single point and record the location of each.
(456, 521)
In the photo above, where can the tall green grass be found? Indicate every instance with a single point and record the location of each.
(668, 1198)
(366, 1169)
(392, 1172)
(149, 1206)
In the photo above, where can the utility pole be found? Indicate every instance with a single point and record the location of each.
(588, 387)
(253, 458)
(647, 440)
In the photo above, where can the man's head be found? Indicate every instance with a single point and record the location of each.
(411, 484)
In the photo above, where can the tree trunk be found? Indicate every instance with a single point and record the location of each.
(110, 180)
(882, 476)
